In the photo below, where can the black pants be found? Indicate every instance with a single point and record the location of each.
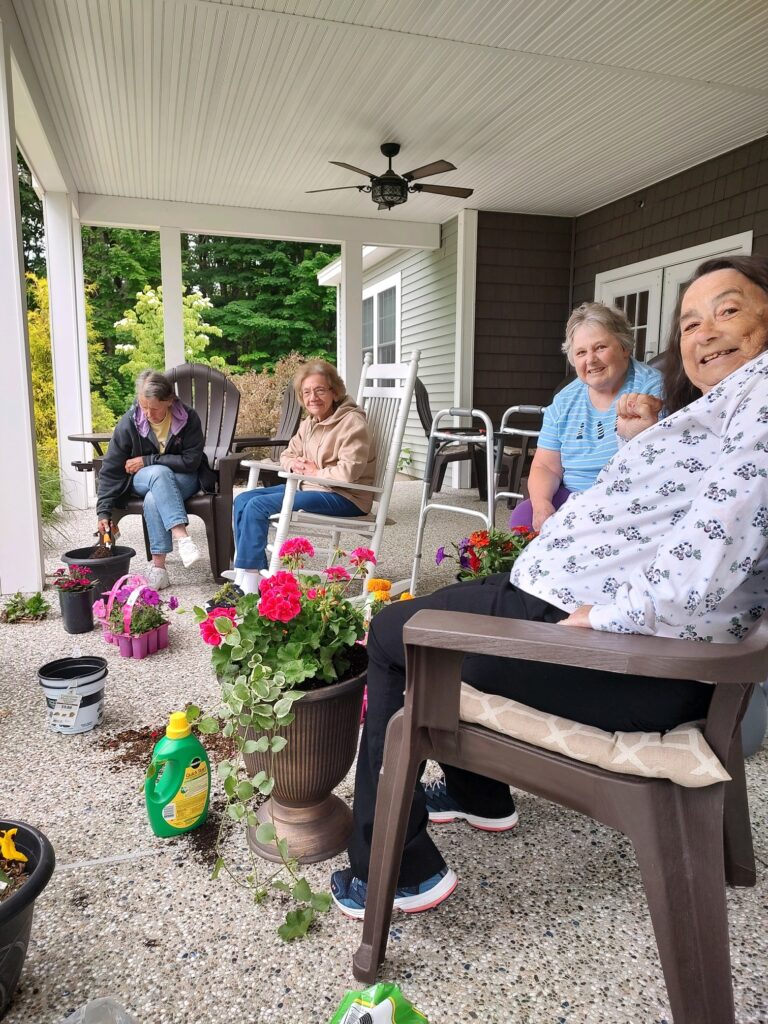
(603, 699)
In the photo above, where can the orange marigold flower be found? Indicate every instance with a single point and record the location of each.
(376, 585)
(406, 596)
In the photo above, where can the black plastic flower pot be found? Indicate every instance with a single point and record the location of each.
(16, 911)
(77, 609)
(104, 571)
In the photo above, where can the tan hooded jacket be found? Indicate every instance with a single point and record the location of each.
(342, 449)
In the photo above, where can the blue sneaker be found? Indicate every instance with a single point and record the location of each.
(443, 809)
(349, 893)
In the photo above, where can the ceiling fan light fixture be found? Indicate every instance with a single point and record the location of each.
(389, 192)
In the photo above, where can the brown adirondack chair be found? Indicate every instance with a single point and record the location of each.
(216, 401)
(689, 842)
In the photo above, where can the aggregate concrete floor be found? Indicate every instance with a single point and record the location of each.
(548, 925)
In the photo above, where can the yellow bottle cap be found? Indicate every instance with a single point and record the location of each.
(178, 726)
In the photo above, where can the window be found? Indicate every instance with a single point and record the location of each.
(381, 320)
(648, 291)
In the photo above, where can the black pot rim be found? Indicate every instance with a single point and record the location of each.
(90, 663)
(333, 689)
(32, 842)
(79, 556)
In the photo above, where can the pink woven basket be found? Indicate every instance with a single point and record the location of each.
(132, 646)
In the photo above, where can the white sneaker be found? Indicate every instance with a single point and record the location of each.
(188, 552)
(157, 577)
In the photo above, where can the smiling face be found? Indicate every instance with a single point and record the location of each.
(154, 408)
(723, 325)
(317, 395)
(599, 359)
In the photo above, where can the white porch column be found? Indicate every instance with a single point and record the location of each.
(69, 346)
(350, 339)
(464, 363)
(173, 318)
(21, 554)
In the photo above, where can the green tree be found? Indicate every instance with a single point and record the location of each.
(142, 326)
(117, 264)
(32, 225)
(265, 296)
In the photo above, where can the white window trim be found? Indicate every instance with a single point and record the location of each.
(394, 281)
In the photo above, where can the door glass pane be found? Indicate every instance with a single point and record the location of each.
(387, 325)
(639, 352)
(368, 325)
(631, 308)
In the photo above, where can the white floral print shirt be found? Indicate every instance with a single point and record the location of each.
(672, 540)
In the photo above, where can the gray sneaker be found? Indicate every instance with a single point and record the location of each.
(157, 577)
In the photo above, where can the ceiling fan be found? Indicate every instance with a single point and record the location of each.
(391, 189)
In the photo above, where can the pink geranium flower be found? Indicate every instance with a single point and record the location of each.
(296, 546)
(337, 574)
(362, 555)
(208, 630)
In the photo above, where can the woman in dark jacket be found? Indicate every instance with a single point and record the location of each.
(156, 452)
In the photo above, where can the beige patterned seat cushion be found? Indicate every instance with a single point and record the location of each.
(681, 755)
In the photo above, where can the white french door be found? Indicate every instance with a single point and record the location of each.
(648, 291)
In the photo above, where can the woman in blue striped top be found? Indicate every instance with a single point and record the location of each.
(578, 436)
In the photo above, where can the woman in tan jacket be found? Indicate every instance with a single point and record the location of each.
(333, 444)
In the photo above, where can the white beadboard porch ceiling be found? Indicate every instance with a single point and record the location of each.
(545, 106)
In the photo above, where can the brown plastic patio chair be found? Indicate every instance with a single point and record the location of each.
(266, 470)
(688, 842)
(450, 451)
(216, 400)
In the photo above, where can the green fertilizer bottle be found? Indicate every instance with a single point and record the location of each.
(178, 782)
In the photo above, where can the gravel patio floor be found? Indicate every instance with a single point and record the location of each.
(548, 925)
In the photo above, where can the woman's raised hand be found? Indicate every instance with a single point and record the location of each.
(635, 413)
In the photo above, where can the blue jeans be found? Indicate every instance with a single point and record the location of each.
(164, 494)
(252, 510)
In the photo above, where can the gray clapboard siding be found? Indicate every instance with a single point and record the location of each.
(427, 322)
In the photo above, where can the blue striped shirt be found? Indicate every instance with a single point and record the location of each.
(584, 436)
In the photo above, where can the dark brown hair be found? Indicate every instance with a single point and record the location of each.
(678, 390)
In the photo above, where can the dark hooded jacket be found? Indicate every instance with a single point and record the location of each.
(133, 436)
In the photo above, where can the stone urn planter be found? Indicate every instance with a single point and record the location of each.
(16, 910)
(322, 742)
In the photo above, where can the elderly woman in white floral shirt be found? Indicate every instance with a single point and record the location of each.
(672, 540)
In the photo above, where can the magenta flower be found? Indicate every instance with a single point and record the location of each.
(337, 574)
(173, 603)
(150, 597)
(362, 555)
(296, 546)
(99, 609)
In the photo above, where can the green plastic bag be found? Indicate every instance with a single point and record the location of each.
(379, 1004)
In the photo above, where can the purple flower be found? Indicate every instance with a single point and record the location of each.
(464, 561)
(150, 597)
(123, 594)
(439, 555)
(463, 546)
(173, 603)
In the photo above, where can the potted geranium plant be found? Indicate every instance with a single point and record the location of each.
(134, 618)
(291, 666)
(26, 865)
(76, 589)
(487, 551)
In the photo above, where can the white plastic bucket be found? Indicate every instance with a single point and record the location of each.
(74, 693)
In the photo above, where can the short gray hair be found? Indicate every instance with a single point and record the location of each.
(322, 368)
(153, 384)
(607, 317)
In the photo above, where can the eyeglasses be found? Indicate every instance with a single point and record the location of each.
(317, 392)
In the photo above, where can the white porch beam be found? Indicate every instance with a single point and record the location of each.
(35, 128)
(464, 360)
(21, 552)
(349, 357)
(173, 314)
(69, 347)
(149, 214)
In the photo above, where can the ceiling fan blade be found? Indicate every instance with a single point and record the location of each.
(445, 190)
(337, 189)
(436, 167)
(351, 167)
